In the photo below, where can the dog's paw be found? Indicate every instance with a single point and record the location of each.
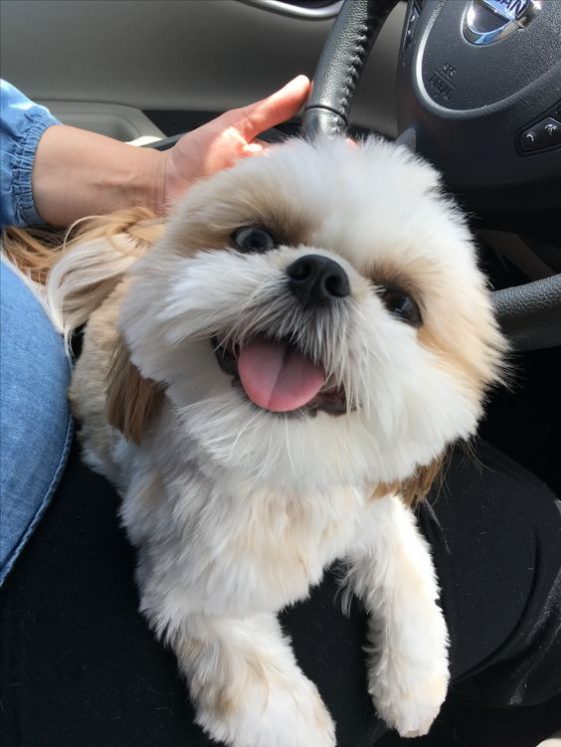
(408, 674)
(286, 713)
(412, 710)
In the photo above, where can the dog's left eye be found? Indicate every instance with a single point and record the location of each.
(400, 304)
(253, 239)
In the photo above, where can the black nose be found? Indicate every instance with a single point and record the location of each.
(317, 280)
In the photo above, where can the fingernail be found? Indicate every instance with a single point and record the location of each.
(298, 82)
(253, 149)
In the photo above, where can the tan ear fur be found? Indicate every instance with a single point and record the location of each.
(414, 489)
(35, 251)
(132, 401)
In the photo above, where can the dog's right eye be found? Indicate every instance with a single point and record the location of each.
(253, 239)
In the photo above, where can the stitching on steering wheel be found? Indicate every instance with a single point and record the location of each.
(356, 61)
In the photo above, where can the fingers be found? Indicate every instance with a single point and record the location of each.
(280, 106)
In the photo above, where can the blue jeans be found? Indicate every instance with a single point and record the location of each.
(35, 419)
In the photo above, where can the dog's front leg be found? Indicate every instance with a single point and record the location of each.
(246, 685)
(392, 571)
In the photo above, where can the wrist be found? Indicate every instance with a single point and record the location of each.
(141, 180)
(175, 181)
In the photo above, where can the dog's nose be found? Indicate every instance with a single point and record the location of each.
(317, 280)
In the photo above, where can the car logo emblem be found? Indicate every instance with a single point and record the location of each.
(489, 21)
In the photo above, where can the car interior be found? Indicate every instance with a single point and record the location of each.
(474, 86)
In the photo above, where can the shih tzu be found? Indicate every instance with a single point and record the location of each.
(270, 380)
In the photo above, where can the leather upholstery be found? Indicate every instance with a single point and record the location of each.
(340, 65)
(531, 314)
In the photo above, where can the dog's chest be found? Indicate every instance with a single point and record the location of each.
(262, 549)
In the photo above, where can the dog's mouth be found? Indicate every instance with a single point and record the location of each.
(276, 376)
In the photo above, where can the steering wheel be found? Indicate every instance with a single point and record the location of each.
(479, 95)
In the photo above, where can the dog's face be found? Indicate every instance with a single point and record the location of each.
(317, 317)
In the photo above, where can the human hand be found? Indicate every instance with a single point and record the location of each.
(78, 173)
(220, 143)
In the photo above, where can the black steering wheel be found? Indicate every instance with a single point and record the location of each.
(479, 95)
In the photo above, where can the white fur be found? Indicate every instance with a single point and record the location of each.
(236, 511)
(74, 282)
(391, 570)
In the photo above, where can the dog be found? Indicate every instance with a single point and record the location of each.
(271, 378)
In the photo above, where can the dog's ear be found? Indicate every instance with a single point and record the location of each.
(132, 401)
(415, 488)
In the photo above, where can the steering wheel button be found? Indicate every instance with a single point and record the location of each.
(552, 130)
(529, 141)
(544, 134)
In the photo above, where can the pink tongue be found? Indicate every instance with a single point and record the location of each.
(278, 378)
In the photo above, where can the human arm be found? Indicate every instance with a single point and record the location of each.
(78, 173)
(22, 124)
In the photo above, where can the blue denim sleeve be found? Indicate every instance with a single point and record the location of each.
(22, 123)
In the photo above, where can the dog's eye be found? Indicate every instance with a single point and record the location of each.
(400, 304)
(253, 239)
